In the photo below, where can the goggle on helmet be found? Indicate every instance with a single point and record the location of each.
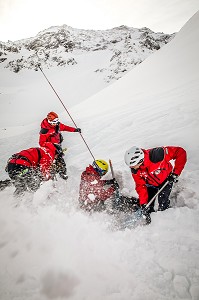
(54, 122)
(53, 118)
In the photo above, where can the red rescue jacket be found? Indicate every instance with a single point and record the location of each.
(50, 133)
(157, 167)
(92, 188)
(41, 158)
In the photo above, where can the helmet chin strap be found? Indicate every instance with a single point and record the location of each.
(134, 171)
(97, 168)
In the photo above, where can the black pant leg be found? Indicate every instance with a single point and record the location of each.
(163, 197)
(14, 170)
(151, 193)
(61, 167)
(15, 173)
(33, 180)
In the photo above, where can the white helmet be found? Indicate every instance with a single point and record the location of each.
(134, 156)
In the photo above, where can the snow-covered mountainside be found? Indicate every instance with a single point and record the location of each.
(63, 45)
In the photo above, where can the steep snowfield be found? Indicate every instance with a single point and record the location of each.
(51, 250)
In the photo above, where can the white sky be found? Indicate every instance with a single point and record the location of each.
(25, 18)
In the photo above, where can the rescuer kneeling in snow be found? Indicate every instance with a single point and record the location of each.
(151, 169)
(28, 168)
(93, 192)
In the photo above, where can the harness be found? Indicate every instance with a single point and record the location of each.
(57, 131)
(39, 154)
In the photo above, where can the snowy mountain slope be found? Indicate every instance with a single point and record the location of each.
(163, 88)
(94, 59)
(151, 77)
(28, 91)
(63, 45)
(51, 250)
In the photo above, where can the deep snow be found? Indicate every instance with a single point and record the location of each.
(51, 250)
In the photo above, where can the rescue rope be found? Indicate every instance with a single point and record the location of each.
(39, 66)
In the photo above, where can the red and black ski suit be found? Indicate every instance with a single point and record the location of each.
(155, 170)
(50, 133)
(92, 190)
(34, 158)
(29, 167)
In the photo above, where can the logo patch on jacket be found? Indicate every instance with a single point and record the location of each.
(143, 174)
(156, 172)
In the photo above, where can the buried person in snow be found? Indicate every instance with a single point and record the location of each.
(151, 169)
(51, 132)
(94, 191)
(29, 167)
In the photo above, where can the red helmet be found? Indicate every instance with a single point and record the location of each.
(52, 118)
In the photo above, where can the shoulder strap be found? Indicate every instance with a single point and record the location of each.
(44, 130)
(57, 128)
(39, 154)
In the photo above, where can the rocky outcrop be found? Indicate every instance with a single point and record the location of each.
(61, 46)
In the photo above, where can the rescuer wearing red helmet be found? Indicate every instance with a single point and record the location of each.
(51, 132)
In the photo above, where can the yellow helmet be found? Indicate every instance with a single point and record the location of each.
(100, 166)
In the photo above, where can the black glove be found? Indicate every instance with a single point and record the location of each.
(78, 130)
(145, 210)
(146, 213)
(116, 185)
(173, 178)
(134, 201)
(110, 181)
